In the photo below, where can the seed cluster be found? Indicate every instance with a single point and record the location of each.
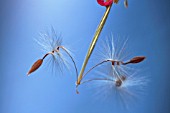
(54, 47)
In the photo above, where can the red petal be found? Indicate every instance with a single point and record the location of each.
(103, 3)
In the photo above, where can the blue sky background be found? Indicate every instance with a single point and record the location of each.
(145, 22)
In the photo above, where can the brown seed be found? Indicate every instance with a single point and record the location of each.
(35, 66)
(119, 81)
(137, 59)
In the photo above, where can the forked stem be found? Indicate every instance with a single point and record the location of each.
(95, 67)
(93, 43)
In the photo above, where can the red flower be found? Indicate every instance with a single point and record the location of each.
(103, 3)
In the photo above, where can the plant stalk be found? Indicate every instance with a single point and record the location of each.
(93, 43)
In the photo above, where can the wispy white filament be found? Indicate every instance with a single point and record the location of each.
(49, 43)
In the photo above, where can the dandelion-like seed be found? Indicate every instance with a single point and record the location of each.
(117, 76)
(52, 45)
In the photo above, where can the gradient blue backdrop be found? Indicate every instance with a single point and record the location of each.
(145, 22)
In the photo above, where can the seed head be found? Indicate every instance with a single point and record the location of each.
(50, 42)
(58, 55)
(113, 77)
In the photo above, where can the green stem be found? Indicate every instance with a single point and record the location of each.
(93, 43)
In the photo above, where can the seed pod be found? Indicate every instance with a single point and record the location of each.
(137, 59)
(126, 3)
(35, 66)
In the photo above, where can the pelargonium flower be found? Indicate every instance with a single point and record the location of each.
(109, 2)
(53, 46)
(105, 3)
